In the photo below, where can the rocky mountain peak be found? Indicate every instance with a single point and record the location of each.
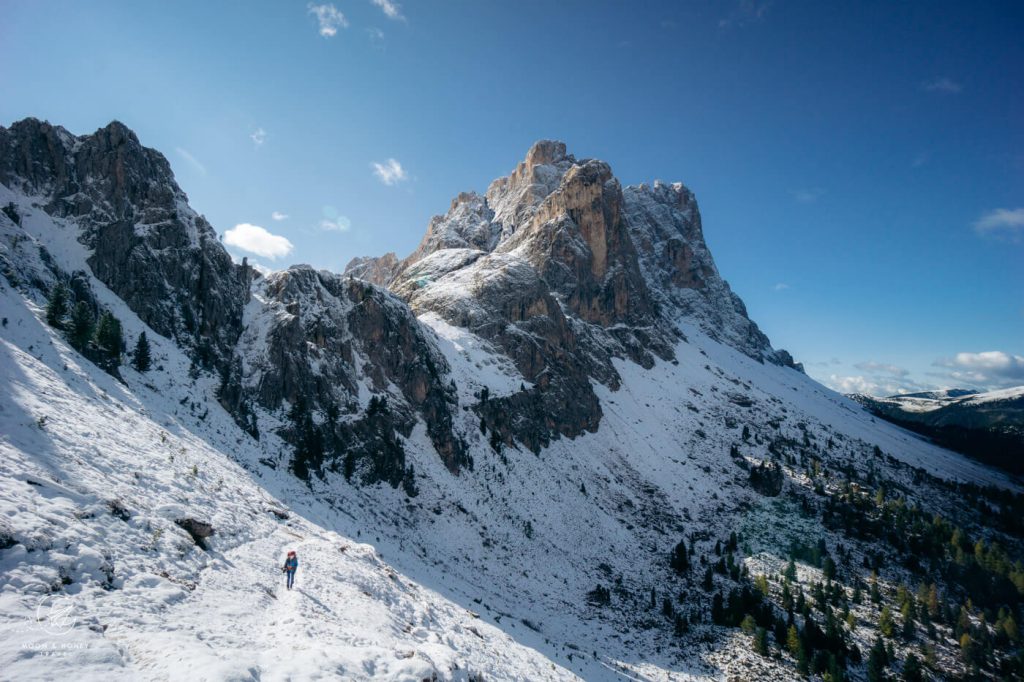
(377, 270)
(145, 243)
(547, 153)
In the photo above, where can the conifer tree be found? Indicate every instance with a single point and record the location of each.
(912, 671)
(760, 643)
(877, 660)
(81, 325)
(885, 623)
(680, 558)
(57, 305)
(109, 340)
(793, 640)
(141, 359)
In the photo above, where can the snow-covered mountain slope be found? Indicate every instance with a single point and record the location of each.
(95, 476)
(531, 550)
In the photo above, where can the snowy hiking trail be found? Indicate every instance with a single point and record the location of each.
(147, 603)
(327, 627)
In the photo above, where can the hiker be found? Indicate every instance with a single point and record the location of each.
(290, 565)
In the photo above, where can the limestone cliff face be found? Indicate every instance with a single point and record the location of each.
(377, 270)
(565, 270)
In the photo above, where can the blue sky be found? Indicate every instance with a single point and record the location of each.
(859, 166)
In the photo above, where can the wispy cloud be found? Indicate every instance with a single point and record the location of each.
(745, 12)
(392, 9)
(192, 161)
(1002, 222)
(807, 195)
(338, 224)
(944, 85)
(781, 286)
(258, 240)
(329, 19)
(258, 137)
(988, 369)
(875, 378)
(881, 368)
(390, 172)
(277, 215)
(871, 385)
(920, 160)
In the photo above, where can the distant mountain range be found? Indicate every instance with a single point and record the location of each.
(987, 426)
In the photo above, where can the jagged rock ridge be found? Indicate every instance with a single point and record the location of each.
(330, 343)
(564, 270)
(557, 265)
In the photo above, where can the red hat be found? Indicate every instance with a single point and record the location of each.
(291, 552)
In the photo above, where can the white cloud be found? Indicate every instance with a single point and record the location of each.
(277, 215)
(781, 286)
(255, 239)
(200, 168)
(339, 224)
(881, 368)
(390, 172)
(391, 9)
(989, 369)
(329, 19)
(1007, 222)
(872, 385)
(943, 85)
(807, 195)
(258, 137)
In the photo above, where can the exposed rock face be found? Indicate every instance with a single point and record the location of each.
(565, 270)
(147, 245)
(501, 297)
(319, 335)
(469, 224)
(377, 270)
(664, 223)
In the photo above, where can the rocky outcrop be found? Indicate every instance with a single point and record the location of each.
(324, 339)
(665, 226)
(564, 270)
(146, 244)
(502, 298)
(199, 531)
(377, 270)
